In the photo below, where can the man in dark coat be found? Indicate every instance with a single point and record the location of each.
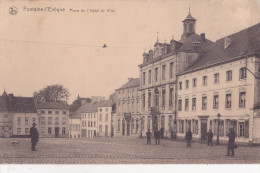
(210, 136)
(34, 136)
(157, 136)
(188, 138)
(231, 141)
(148, 134)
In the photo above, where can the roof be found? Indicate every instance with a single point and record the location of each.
(130, 84)
(187, 43)
(243, 42)
(106, 103)
(52, 105)
(22, 104)
(5, 104)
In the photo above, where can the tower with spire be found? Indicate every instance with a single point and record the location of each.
(189, 24)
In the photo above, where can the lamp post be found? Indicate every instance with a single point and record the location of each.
(217, 143)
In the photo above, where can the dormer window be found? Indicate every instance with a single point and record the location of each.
(227, 42)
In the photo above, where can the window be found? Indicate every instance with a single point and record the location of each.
(195, 126)
(100, 110)
(156, 74)
(229, 75)
(163, 97)
(100, 117)
(205, 80)
(181, 122)
(26, 120)
(216, 78)
(149, 122)
(215, 102)
(204, 103)
(18, 131)
(242, 99)
(63, 120)
(228, 100)
(42, 112)
(163, 72)
(187, 84)
(179, 105)
(186, 104)
(231, 124)
(143, 100)
(42, 130)
(49, 120)
(118, 125)
(194, 82)
(56, 120)
(42, 120)
(171, 97)
(64, 112)
(170, 123)
(88, 123)
(49, 130)
(56, 112)
(106, 118)
(63, 131)
(193, 103)
(171, 70)
(94, 124)
(100, 128)
(132, 125)
(49, 112)
(241, 129)
(33, 120)
(149, 99)
(26, 130)
(149, 76)
(18, 121)
(242, 73)
(143, 78)
(180, 85)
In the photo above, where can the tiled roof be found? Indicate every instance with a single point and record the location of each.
(5, 104)
(22, 104)
(187, 43)
(106, 103)
(52, 105)
(244, 42)
(132, 83)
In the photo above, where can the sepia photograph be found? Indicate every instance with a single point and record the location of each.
(129, 82)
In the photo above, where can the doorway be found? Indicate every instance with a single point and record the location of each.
(128, 127)
(204, 129)
(56, 132)
(123, 127)
(106, 130)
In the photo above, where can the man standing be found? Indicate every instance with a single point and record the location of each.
(148, 134)
(231, 140)
(188, 137)
(210, 136)
(34, 136)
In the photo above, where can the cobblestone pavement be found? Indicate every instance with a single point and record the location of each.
(119, 150)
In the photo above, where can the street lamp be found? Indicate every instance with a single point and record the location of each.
(217, 143)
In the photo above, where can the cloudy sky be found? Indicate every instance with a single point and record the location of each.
(43, 48)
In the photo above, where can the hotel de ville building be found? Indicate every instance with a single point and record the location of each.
(194, 83)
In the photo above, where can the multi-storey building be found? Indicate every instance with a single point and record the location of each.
(158, 76)
(105, 118)
(16, 115)
(54, 119)
(221, 89)
(128, 120)
(74, 125)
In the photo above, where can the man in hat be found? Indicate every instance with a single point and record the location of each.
(231, 141)
(148, 134)
(188, 138)
(34, 136)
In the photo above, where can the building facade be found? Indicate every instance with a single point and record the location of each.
(127, 121)
(158, 77)
(54, 119)
(221, 90)
(105, 119)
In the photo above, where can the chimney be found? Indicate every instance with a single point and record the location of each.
(202, 37)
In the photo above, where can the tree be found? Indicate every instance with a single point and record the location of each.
(52, 93)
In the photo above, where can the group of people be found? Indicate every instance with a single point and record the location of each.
(230, 147)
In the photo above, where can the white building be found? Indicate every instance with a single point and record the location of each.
(222, 88)
(105, 118)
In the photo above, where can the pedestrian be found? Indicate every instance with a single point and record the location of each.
(161, 133)
(34, 136)
(210, 136)
(148, 134)
(172, 135)
(157, 137)
(231, 141)
(188, 138)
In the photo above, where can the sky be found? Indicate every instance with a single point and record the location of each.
(44, 48)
